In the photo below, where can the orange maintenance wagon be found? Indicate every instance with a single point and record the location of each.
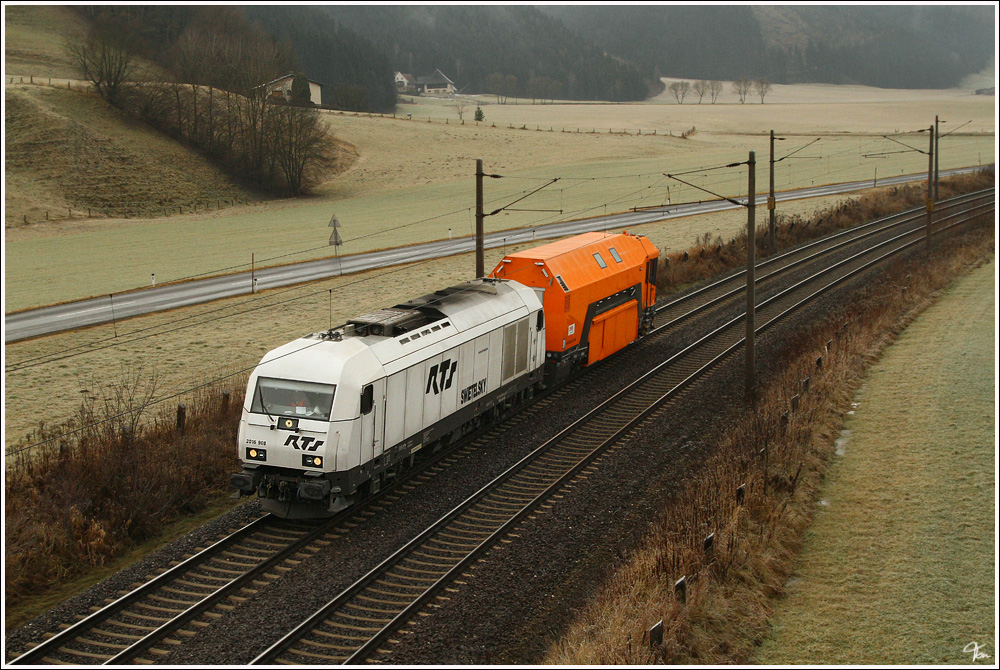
(600, 290)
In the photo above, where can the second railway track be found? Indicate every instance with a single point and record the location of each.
(357, 623)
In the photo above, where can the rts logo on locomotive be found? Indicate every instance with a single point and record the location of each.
(446, 371)
(304, 443)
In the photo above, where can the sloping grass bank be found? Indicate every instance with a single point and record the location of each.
(755, 496)
(898, 566)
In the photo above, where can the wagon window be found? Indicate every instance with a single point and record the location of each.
(614, 254)
(600, 261)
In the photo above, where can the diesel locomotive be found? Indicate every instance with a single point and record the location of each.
(333, 416)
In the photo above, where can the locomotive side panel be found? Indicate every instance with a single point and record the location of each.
(414, 410)
(395, 408)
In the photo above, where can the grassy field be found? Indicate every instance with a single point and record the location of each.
(898, 567)
(413, 181)
(34, 39)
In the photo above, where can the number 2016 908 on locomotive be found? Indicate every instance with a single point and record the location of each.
(331, 417)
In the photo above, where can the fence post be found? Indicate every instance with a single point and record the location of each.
(656, 634)
(680, 589)
(181, 417)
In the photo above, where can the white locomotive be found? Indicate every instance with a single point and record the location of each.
(331, 416)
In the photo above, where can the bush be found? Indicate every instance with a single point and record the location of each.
(111, 478)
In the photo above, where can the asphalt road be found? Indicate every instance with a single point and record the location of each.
(67, 316)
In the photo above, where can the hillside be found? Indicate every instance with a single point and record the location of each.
(67, 149)
(34, 38)
(884, 46)
(537, 54)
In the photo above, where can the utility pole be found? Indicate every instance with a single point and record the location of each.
(480, 261)
(770, 205)
(937, 137)
(751, 381)
(930, 185)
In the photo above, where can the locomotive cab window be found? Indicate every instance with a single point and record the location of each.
(367, 399)
(288, 397)
(614, 254)
(600, 261)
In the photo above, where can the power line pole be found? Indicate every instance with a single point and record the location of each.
(930, 184)
(751, 381)
(770, 205)
(937, 138)
(480, 261)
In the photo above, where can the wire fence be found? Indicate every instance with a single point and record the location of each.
(534, 127)
(136, 212)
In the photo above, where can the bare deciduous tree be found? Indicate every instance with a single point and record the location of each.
(701, 88)
(106, 61)
(762, 87)
(460, 106)
(741, 87)
(302, 144)
(714, 89)
(680, 89)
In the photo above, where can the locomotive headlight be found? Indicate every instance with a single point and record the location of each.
(312, 461)
(256, 454)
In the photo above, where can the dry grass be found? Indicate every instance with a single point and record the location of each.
(66, 150)
(711, 255)
(111, 478)
(34, 37)
(781, 466)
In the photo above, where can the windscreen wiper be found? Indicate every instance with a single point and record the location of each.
(260, 396)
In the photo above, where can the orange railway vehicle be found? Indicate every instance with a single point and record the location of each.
(599, 294)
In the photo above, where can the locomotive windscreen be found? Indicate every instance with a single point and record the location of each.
(286, 397)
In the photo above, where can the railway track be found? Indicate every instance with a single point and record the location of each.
(356, 624)
(147, 623)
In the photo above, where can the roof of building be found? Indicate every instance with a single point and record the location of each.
(436, 78)
(290, 75)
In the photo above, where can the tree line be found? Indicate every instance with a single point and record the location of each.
(741, 87)
(890, 46)
(213, 95)
(509, 51)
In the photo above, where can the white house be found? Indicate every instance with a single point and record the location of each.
(405, 82)
(282, 86)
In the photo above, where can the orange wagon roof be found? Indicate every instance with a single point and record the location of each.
(560, 247)
(574, 259)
